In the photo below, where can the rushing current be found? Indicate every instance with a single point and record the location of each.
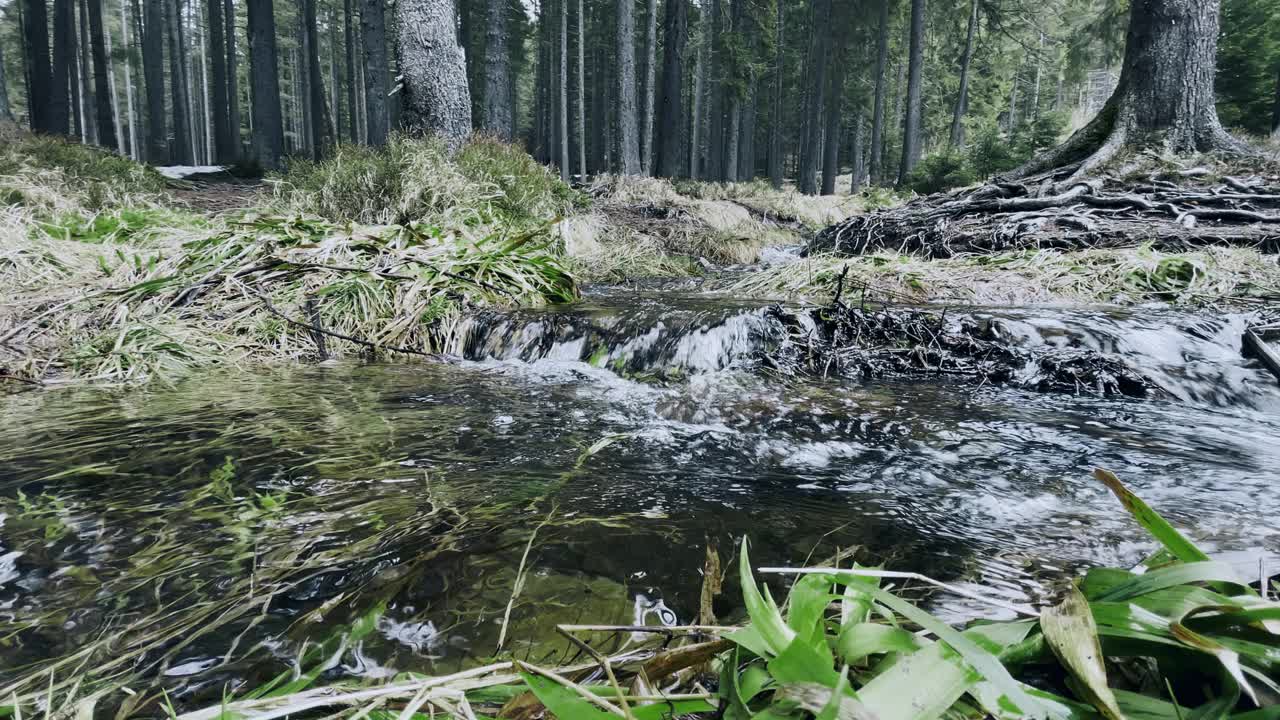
(615, 439)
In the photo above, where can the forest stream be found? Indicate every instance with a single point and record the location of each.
(623, 434)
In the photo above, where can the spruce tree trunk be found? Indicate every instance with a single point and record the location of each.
(1275, 110)
(233, 81)
(859, 159)
(117, 128)
(135, 149)
(373, 30)
(962, 96)
(217, 64)
(6, 114)
(775, 120)
(811, 148)
(349, 37)
(153, 78)
(268, 123)
(716, 99)
(1164, 97)
(628, 125)
(64, 60)
(747, 145)
(650, 95)
(335, 81)
(497, 112)
(562, 101)
(179, 99)
(434, 98)
(582, 97)
(88, 101)
(40, 97)
(675, 30)
(877, 112)
(915, 67)
(319, 108)
(696, 135)
(101, 76)
(832, 134)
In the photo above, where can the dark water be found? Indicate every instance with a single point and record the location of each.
(631, 431)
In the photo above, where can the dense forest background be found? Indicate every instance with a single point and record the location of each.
(931, 94)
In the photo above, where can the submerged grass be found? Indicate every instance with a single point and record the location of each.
(1181, 636)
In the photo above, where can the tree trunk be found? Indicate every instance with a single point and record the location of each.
(911, 124)
(675, 30)
(715, 95)
(1275, 110)
(106, 128)
(747, 145)
(233, 82)
(582, 95)
(6, 115)
(877, 112)
(179, 99)
(373, 30)
(962, 96)
(434, 97)
(775, 120)
(135, 150)
(1164, 97)
(811, 146)
(41, 97)
(563, 96)
(117, 127)
(832, 134)
(497, 111)
(88, 102)
(335, 82)
(650, 95)
(153, 76)
(217, 63)
(349, 38)
(64, 60)
(206, 130)
(319, 108)
(628, 126)
(859, 167)
(699, 111)
(268, 127)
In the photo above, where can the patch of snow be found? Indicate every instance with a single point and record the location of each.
(178, 172)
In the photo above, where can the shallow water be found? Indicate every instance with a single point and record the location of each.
(630, 431)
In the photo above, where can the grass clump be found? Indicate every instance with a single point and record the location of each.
(48, 174)
(1122, 276)
(413, 180)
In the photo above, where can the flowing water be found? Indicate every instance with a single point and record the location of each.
(628, 432)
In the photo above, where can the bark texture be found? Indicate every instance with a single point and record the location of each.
(233, 81)
(775, 120)
(224, 152)
(64, 60)
(373, 31)
(434, 97)
(319, 115)
(497, 111)
(101, 86)
(962, 96)
(811, 144)
(915, 70)
(650, 92)
(180, 100)
(349, 41)
(628, 124)
(35, 30)
(6, 114)
(268, 125)
(1164, 97)
(153, 77)
(88, 101)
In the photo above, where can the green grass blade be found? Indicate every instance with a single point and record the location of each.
(1174, 541)
(1070, 630)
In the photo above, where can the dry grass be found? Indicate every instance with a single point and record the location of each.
(1032, 277)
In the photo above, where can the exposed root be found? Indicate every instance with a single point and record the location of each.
(1172, 211)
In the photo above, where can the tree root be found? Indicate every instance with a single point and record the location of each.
(1073, 215)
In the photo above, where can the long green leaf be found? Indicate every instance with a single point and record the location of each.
(1160, 529)
(1070, 630)
(919, 686)
(764, 613)
(1193, 572)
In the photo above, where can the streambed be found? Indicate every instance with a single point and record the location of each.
(628, 431)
